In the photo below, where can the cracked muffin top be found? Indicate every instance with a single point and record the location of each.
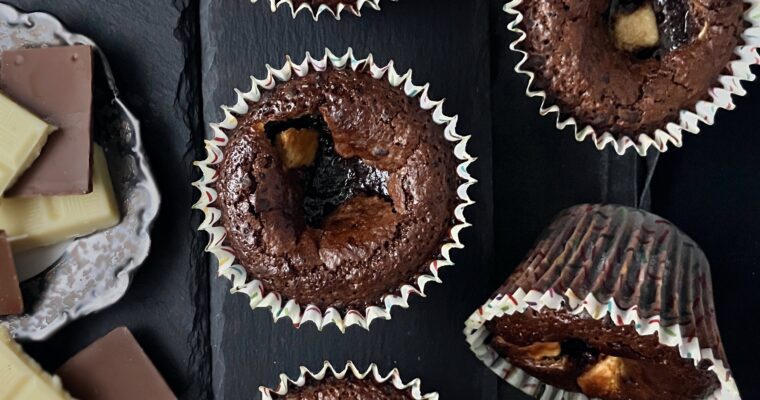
(350, 388)
(336, 189)
(628, 66)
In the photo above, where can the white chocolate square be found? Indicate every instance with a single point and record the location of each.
(21, 378)
(22, 136)
(42, 221)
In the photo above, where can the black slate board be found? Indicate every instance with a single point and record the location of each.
(449, 50)
(177, 61)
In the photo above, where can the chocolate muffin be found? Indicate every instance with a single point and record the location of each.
(350, 388)
(628, 66)
(336, 189)
(578, 341)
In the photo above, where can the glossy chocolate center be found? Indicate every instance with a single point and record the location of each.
(326, 180)
(649, 28)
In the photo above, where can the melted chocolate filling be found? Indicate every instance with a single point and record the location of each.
(677, 27)
(638, 379)
(579, 351)
(675, 23)
(331, 179)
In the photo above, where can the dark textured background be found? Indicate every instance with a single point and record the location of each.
(177, 61)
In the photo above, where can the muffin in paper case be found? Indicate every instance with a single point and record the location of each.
(718, 96)
(612, 302)
(254, 289)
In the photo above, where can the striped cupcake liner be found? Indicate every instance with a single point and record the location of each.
(353, 7)
(519, 302)
(704, 112)
(258, 296)
(350, 370)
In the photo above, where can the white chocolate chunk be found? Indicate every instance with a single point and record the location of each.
(603, 379)
(41, 221)
(21, 378)
(638, 30)
(297, 147)
(22, 136)
(541, 350)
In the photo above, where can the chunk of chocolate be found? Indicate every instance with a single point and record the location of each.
(56, 84)
(114, 368)
(42, 221)
(21, 378)
(615, 303)
(11, 302)
(22, 135)
(637, 30)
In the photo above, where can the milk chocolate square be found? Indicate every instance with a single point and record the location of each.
(114, 368)
(11, 302)
(54, 83)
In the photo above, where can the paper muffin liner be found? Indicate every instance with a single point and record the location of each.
(745, 55)
(354, 7)
(350, 370)
(258, 296)
(519, 295)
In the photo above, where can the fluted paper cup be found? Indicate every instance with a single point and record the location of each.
(563, 272)
(720, 95)
(349, 371)
(354, 7)
(254, 289)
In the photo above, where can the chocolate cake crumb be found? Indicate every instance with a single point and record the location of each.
(350, 219)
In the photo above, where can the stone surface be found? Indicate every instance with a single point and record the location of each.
(707, 188)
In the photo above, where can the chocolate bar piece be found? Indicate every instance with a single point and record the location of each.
(22, 135)
(114, 368)
(56, 84)
(41, 221)
(607, 304)
(21, 378)
(11, 302)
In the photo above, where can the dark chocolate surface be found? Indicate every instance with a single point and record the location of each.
(351, 388)
(678, 26)
(572, 52)
(396, 208)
